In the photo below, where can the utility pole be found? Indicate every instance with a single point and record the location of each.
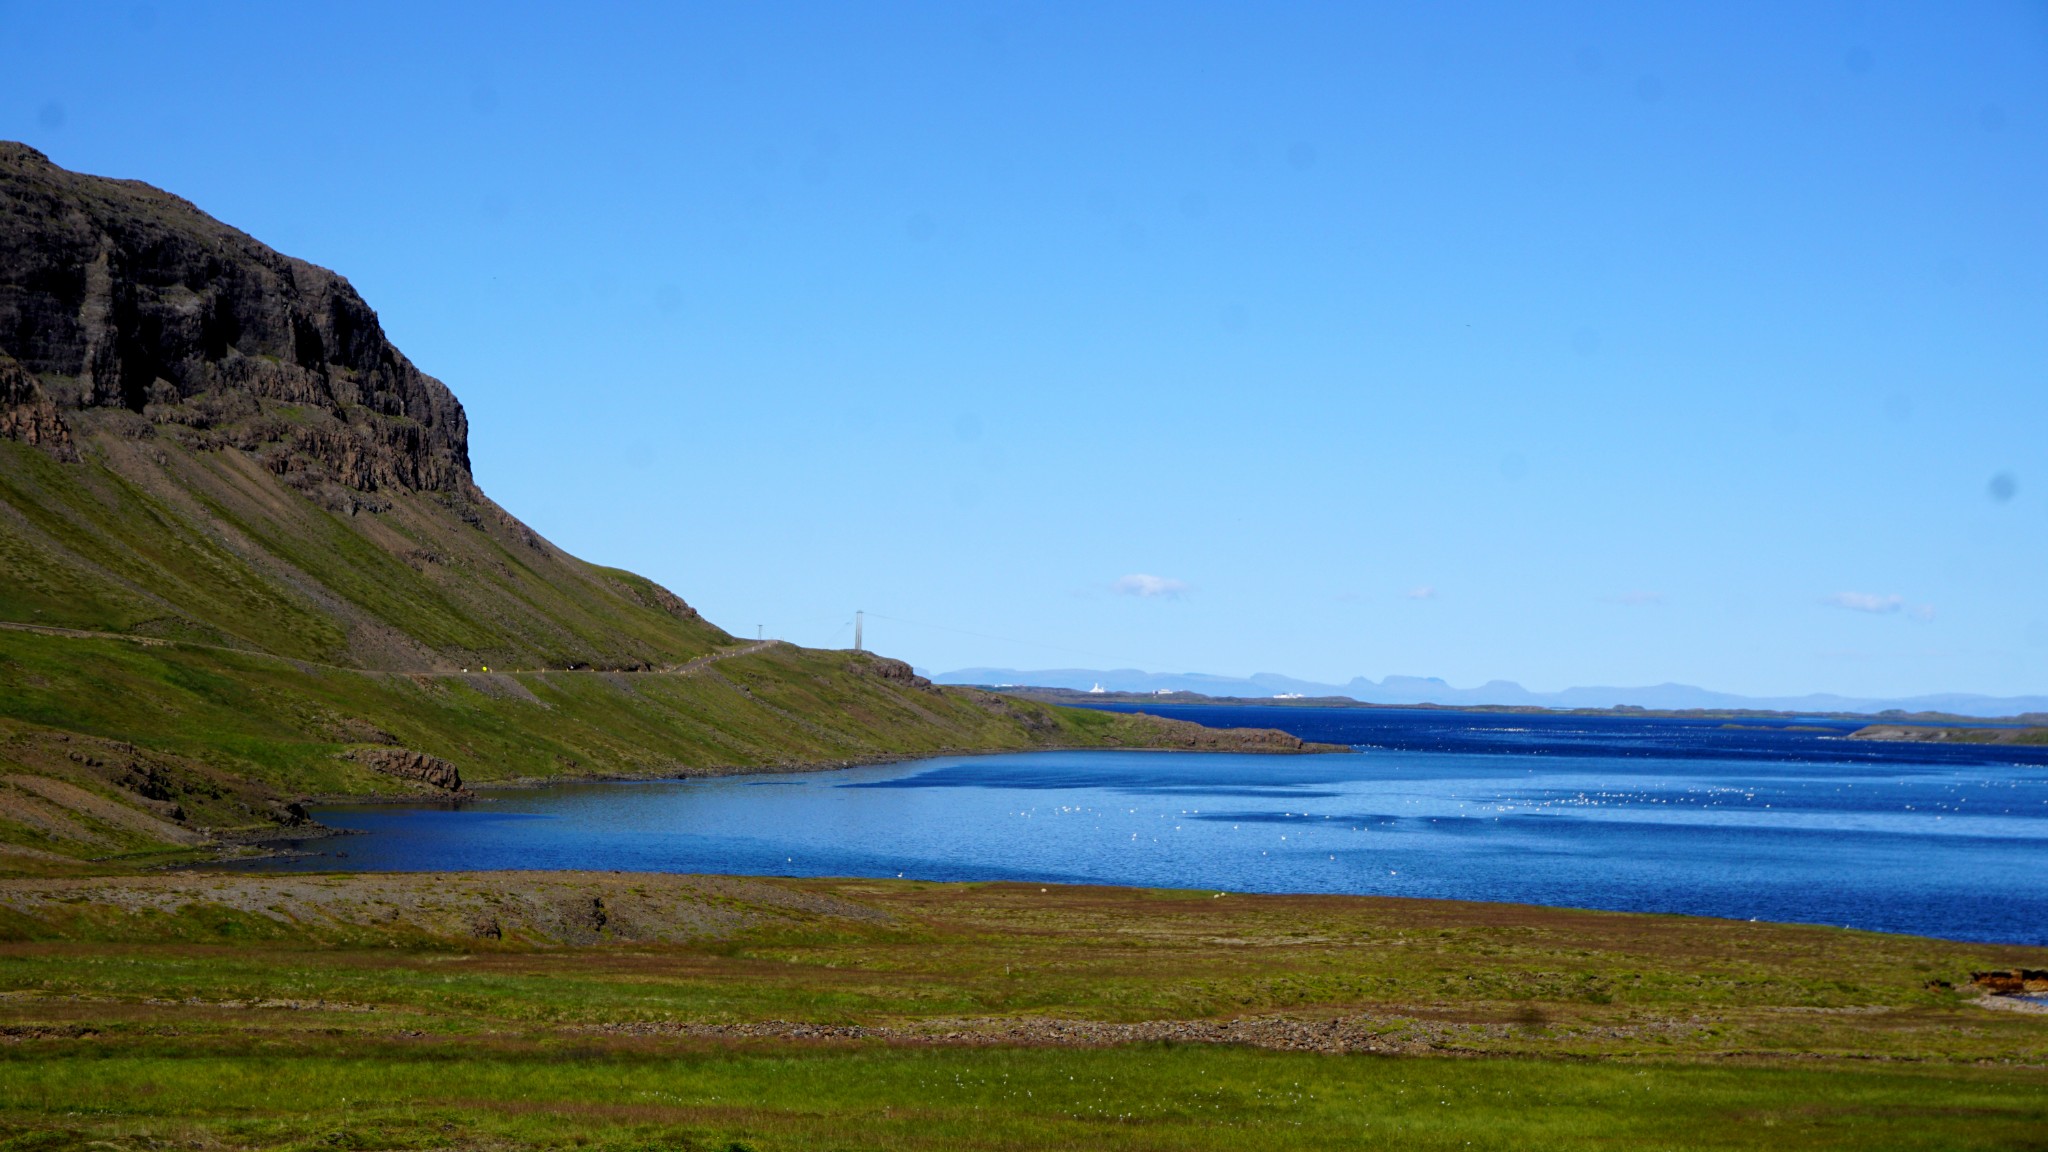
(856, 629)
(760, 631)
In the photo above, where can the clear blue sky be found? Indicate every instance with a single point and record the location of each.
(1586, 344)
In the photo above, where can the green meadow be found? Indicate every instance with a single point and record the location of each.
(602, 1010)
(1153, 1097)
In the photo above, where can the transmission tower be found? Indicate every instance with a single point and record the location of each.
(856, 629)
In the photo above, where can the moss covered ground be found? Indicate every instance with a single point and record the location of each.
(630, 1011)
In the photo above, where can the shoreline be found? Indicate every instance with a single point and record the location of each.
(472, 793)
(806, 767)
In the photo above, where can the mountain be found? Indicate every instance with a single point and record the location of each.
(243, 561)
(1430, 690)
(232, 453)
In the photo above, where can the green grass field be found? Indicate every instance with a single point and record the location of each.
(608, 1010)
(423, 1096)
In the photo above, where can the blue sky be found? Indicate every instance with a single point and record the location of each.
(1571, 344)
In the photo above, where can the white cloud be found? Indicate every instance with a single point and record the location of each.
(1867, 602)
(1422, 592)
(1150, 587)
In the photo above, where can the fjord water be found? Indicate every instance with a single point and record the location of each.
(1771, 820)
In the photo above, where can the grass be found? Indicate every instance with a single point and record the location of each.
(366, 1012)
(154, 538)
(421, 1096)
(286, 721)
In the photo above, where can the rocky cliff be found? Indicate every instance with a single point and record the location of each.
(118, 296)
(207, 422)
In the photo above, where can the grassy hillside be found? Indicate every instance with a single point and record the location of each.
(208, 743)
(147, 536)
(579, 1010)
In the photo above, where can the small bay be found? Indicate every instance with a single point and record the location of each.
(1771, 820)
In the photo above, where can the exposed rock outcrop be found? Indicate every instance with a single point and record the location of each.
(895, 671)
(410, 765)
(118, 296)
(2012, 981)
(26, 413)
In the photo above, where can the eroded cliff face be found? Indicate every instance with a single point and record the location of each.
(116, 297)
(224, 448)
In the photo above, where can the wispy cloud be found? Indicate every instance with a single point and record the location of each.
(1867, 602)
(1881, 605)
(1151, 587)
(1422, 592)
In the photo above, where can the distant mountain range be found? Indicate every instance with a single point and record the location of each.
(1430, 690)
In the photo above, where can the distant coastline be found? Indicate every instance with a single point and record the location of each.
(2029, 728)
(1419, 691)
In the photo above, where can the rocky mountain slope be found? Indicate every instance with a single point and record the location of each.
(243, 561)
(262, 469)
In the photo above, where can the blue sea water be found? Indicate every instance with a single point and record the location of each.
(1774, 820)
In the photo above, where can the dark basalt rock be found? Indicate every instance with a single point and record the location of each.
(410, 765)
(2012, 981)
(896, 671)
(26, 413)
(118, 296)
